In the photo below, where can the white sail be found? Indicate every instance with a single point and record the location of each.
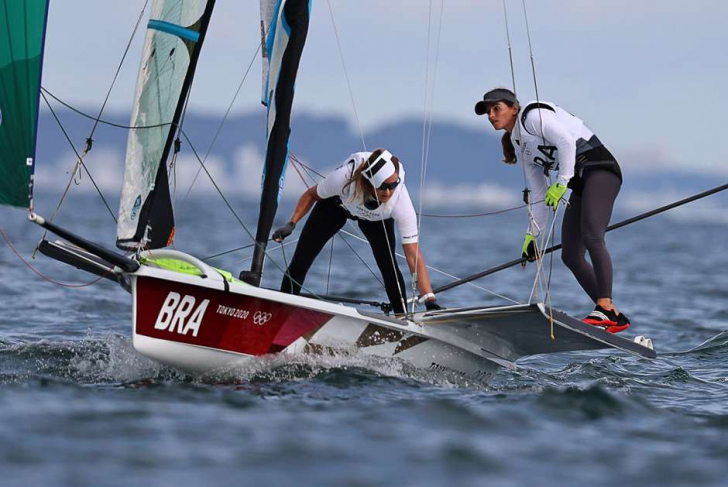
(267, 10)
(172, 36)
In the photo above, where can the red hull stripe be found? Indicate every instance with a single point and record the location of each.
(216, 319)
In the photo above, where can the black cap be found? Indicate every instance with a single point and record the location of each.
(494, 96)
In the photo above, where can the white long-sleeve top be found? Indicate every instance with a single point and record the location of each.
(546, 139)
(399, 206)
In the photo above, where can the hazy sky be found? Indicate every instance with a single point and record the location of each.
(649, 76)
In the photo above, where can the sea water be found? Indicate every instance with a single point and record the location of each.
(79, 406)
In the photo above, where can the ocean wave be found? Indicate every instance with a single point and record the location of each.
(109, 359)
(112, 359)
(717, 343)
(594, 402)
(344, 369)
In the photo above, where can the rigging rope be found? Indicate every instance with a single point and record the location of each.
(222, 195)
(43, 276)
(79, 162)
(222, 123)
(475, 215)
(184, 134)
(102, 121)
(116, 75)
(89, 139)
(517, 126)
(346, 74)
(526, 191)
(533, 66)
(361, 132)
(542, 278)
(331, 260)
(439, 271)
(296, 162)
(426, 135)
(200, 161)
(547, 284)
(197, 156)
(621, 224)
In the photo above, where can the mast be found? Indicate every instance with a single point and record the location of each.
(175, 34)
(23, 26)
(284, 38)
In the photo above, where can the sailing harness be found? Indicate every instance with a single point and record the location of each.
(590, 154)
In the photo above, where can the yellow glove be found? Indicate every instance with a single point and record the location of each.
(554, 194)
(529, 247)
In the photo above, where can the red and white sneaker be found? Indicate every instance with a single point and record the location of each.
(607, 319)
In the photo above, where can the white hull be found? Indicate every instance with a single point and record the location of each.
(206, 325)
(240, 322)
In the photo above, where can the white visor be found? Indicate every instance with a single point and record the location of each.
(380, 170)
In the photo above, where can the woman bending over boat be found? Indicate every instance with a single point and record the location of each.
(551, 139)
(369, 188)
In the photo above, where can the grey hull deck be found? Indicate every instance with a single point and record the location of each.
(510, 332)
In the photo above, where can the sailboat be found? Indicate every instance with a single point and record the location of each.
(202, 320)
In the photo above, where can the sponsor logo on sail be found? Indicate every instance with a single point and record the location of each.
(260, 318)
(136, 207)
(181, 314)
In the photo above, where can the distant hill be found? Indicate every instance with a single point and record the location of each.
(464, 165)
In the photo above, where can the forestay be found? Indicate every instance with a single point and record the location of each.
(23, 25)
(175, 34)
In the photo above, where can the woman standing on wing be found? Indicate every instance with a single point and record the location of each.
(549, 138)
(368, 188)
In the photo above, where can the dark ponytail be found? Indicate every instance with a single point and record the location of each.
(509, 152)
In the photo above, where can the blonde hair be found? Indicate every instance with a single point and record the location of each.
(362, 186)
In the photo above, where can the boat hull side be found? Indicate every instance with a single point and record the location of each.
(211, 318)
(207, 330)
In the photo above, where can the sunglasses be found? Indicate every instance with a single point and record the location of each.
(389, 186)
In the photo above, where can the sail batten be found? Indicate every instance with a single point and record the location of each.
(175, 34)
(174, 29)
(21, 57)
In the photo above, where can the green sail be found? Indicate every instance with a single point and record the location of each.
(22, 31)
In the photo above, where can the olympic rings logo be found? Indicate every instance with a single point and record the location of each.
(260, 318)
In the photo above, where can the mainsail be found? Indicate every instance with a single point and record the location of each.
(284, 25)
(21, 56)
(175, 34)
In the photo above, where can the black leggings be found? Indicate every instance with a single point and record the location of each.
(585, 223)
(327, 218)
